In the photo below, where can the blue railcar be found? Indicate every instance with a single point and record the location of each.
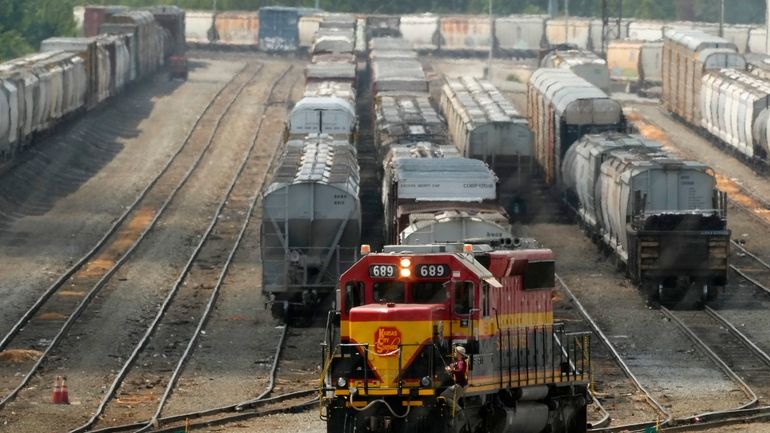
(278, 27)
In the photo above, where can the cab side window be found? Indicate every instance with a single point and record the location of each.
(540, 275)
(462, 297)
(354, 294)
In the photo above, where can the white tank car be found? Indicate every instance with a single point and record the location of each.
(433, 195)
(311, 220)
(484, 125)
(662, 217)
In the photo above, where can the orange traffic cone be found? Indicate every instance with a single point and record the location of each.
(65, 394)
(56, 394)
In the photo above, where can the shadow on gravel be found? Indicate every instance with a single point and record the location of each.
(57, 165)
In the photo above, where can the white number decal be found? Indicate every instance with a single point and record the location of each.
(382, 271)
(432, 271)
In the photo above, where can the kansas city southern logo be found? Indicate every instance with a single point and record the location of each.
(386, 340)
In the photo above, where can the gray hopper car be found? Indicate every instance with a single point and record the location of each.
(433, 195)
(484, 125)
(687, 56)
(562, 108)
(398, 76)
(662, 217)
(311, 221)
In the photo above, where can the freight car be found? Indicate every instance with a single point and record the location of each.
(687, 57)
(484, 125)
(520, 35)
(279, 28)
(583, 63)
(406, 118)
(421, 31)
(433, 195)
(71, 75)
(465, 35)
(663, 218)
(404, 312)
(311, 223)
(237, 29)
(563, 107)
(324, 111)
(635, 63)
(735, 108)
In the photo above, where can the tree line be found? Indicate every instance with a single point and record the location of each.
(24, 23)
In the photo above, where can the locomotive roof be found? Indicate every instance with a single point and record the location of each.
(317, 159)
(479, 101)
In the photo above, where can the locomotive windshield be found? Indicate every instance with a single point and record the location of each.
(389, 291)
(428, 292)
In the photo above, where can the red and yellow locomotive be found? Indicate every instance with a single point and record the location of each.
(401, 313)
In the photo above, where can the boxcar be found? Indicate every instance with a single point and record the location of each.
(172, 19)
(563, 107)
(687, 56)
(279, 28)
(95, 16)
(583, 63)
(311, 221)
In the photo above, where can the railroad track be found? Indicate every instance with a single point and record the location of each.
(749, 266)
(46, 322)
(188, 305)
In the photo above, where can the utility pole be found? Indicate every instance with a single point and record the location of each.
(767, 27)
(566, 21)
(721, 18)
(491, 42)
(318, 4)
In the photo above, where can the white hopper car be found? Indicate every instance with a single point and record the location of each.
(583, 63)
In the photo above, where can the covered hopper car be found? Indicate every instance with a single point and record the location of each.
(662, 217)
(311, 222)
(583, 63)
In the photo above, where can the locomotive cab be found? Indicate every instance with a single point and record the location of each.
(403, 311)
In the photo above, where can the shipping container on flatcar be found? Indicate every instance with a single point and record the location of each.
(311, 222)
(406, 118)
(433, 195)
(199, 27)
(563, 107)
(421, 31)
(237, 29)
(663, 217)
(484, 125)
(687, 56)
(734, 108)
(574, 31)
(520, 35)
(465, 34)
(583, 63)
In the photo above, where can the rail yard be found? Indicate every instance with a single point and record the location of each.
(294, 220)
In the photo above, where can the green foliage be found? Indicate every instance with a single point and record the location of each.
(24, 23)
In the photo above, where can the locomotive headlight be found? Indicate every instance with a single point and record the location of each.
(405, 263)
(342, 382)
(425, 381)
(405, 272)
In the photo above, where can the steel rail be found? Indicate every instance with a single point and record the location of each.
(142, 426)
(668, 417)
(74, 268)
(128, 364)
(754, 400)
(108, 274)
